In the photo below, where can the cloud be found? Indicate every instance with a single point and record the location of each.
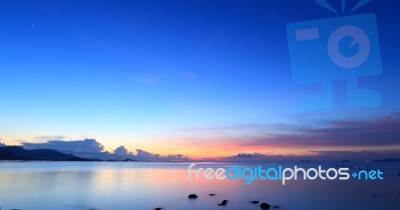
(91, 148)
(244, 155)
(147, 80)
(257, 157)
(121, 151)
(366, 139)
(144, 155)
(150, 77)
(46, 138)
(353, 155)
(77, 146)
(345, 139)
(318, 156)
(190, 75)
(380, 132)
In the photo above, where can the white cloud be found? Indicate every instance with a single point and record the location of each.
(189, 75)
(147, 80)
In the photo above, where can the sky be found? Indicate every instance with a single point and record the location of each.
(200, 78)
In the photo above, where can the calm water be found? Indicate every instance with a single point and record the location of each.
(102, 186)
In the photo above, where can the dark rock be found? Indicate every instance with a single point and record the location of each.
(276, 207)
(399, 174)
(223, 203)
(374, 195)
(158, 208)
(192, 196)
(211, 194)
(254, 202)
(265, 206)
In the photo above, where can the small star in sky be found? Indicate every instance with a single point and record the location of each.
(354, 174)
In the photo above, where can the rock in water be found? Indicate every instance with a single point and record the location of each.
(223, 203)
(254, 202)
(276, 207)
(211, 194)
(265, 206)
(158, 208)
(192, 196)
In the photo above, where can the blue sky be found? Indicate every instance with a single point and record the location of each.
(139, 72)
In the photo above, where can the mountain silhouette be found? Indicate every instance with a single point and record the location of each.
(19, 153)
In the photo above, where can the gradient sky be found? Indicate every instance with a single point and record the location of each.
(177, 76)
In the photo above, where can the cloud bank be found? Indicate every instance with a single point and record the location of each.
(325, 140)
(377, 138)
(380, 132)
(319, 156)
(91, 148)
(77, 146)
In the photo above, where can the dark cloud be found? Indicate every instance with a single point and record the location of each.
(381, 132)
(144, 155)
(245, 156)
(91, 148)
(77, 146)
(318, 156)
(256, 157)
(357, 135)
(121, 151)
(354, 155)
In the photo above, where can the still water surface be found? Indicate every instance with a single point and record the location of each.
(141, 186)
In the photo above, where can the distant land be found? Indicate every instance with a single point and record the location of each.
(387, 160)
(19, 153)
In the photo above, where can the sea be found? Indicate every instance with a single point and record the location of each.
(46, 185)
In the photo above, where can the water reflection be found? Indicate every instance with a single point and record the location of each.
(102, 186)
